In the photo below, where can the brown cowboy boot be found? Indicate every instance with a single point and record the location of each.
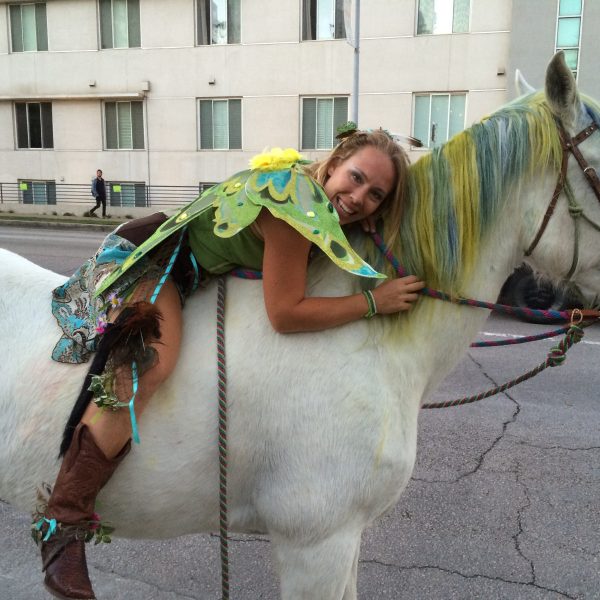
(83, 473)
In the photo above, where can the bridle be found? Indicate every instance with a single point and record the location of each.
(570, 146)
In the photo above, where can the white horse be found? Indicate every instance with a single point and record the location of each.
(322, 427)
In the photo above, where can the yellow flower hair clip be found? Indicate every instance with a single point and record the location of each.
(275, 159)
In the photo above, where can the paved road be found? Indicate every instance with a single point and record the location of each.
(503, 504)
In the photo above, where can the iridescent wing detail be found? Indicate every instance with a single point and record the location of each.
(294, 197)
(234, 210)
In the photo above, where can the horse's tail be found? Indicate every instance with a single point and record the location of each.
(126, 340)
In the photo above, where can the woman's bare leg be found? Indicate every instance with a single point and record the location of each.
(100, 442)
(111, 429)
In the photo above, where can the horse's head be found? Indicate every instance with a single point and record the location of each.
(567, 241)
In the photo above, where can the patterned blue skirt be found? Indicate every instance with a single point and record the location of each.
(82, 316)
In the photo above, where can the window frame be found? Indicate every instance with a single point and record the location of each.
(139, 137)
(427, 144)
(49, 192)
(334, 125)
(139, 188)
(46, 131)
(231, 13)
(38, 29)
(102, 35)
(452, 32)
(199, 102)
(564, 47)
(339, 24)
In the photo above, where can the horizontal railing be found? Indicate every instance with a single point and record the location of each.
(123, 195)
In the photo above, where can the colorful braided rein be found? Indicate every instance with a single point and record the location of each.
(573, 333)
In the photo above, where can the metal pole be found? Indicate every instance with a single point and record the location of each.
(147, 135)
(356, 61)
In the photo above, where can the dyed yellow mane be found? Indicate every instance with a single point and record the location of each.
(456, 190)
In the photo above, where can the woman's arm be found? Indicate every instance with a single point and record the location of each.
(285, 265)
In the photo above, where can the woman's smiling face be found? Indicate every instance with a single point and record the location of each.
(357, 186)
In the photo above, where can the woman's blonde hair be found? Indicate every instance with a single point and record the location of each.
(391, 209)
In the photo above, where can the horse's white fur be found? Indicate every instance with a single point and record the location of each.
(322, 427)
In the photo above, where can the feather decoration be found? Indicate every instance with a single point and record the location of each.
(126, 340)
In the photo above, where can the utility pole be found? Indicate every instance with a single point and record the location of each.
(356, 46)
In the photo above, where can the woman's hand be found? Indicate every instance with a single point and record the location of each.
(397, 295)
(284, 285)
(368, 224)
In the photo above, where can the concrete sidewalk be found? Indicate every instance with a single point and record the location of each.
(71, 222)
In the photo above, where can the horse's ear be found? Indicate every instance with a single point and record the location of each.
(561, 91)
(521, 84)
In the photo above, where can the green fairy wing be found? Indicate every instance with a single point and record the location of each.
(291, 195)
(231, 187)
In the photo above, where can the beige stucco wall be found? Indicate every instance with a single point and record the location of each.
(62, 35)
(271, 70)
(3, 28)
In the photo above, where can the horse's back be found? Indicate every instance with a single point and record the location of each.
(19, 271)
(25, 296)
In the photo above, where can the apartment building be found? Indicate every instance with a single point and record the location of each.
(540, 28)
(184, 92)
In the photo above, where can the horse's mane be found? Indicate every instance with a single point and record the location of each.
(455, 192)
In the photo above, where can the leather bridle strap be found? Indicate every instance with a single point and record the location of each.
(588, 171)
(568, 145)
(560, 184)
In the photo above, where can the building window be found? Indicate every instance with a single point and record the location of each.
(120, 23)
(34, 124)
(438, 117)
(568, 31)
(443, 16)
(37, 192)
(320, 119)
(124, 125)
(323, 20)
(28, 28)
(220, 124)
(127, 194)
(217, 22)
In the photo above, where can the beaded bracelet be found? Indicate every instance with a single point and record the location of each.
(368, 294)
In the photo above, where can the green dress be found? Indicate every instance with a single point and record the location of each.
(276, 182)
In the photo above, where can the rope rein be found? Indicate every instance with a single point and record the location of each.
(222, 391)
(564, 315)
(556, 357)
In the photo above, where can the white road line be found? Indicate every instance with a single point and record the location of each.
(510, 335)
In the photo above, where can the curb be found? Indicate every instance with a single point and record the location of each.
(57, 225)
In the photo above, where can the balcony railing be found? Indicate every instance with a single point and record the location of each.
(71, 195)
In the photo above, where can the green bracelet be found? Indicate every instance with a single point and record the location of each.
(368, 294)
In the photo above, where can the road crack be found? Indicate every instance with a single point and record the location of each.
(525, 584)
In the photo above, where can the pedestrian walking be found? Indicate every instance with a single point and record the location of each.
(99, 193)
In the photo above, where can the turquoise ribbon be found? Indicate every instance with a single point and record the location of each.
(51, 528)
(196, 272)
(168, 269)
(134, 427)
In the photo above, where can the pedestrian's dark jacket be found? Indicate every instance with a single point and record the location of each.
(98, 188)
